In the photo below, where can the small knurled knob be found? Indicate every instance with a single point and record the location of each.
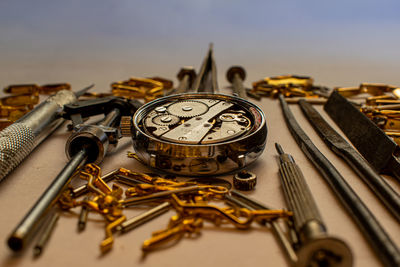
(126, 126)
(244, 180)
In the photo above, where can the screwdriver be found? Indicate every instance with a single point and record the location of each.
(317, 248)
(19, 139)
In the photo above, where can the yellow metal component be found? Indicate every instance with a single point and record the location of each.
(31, 89)
(20, 100)
(146, 88)
(19, 89)
(289, 80)
(287, 85)
(48, 89)
(190, 225)
(108, 242)
(242, 221)
(375, 89)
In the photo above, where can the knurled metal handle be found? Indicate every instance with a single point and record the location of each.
(16, 142)
(298, 196)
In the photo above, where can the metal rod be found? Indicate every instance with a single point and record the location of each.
(144, 217)
(83, 216)
(45, 236)
(26, 228)
(236, 75)
(379, 240)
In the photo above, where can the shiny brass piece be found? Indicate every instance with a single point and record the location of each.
(146, 88)
(47, 89)
(241, 220)
(375, 89)
(191, 225)
(288, 86)
(108, 242)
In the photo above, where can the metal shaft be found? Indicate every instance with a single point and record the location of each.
(48, 230)
(186, 76)
(19, 139)
(26, 228)
(144, 217)
(379, 240)
(236, 75)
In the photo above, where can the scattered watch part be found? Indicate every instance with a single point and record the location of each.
(244, 180)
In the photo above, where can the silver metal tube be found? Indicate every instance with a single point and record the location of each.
(19, 139)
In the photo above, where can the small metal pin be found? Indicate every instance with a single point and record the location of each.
(144, 217)
(48, 230)
(83, 215)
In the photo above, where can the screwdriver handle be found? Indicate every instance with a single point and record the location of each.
(19, 139)
(300, 200)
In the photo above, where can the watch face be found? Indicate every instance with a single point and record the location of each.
(196, 134)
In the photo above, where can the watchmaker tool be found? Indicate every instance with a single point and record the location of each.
(375, 146)
(379, 240)
(236, 75)
(88, 144)
(19, 139)
(317, 247)
(186, 77)
(198, 133)
(342, 148)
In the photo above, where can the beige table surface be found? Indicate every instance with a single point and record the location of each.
(339, 43)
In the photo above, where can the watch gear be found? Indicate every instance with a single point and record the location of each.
(187, 108)
(165, 120)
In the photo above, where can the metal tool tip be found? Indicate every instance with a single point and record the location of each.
(84, 90)
(279, 149)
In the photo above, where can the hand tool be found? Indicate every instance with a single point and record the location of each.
(379, 240)
(317, 247)
(186, 77)
(199, 133)
(389, 197)
(375, 146)
(236, 75)
(88, 144)
(19, 139)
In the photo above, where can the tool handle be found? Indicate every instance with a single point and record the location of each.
(299, 198)
(16, 142)
(19, 139)
(377, 237)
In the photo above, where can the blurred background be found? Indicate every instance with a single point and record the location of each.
(338, 43)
